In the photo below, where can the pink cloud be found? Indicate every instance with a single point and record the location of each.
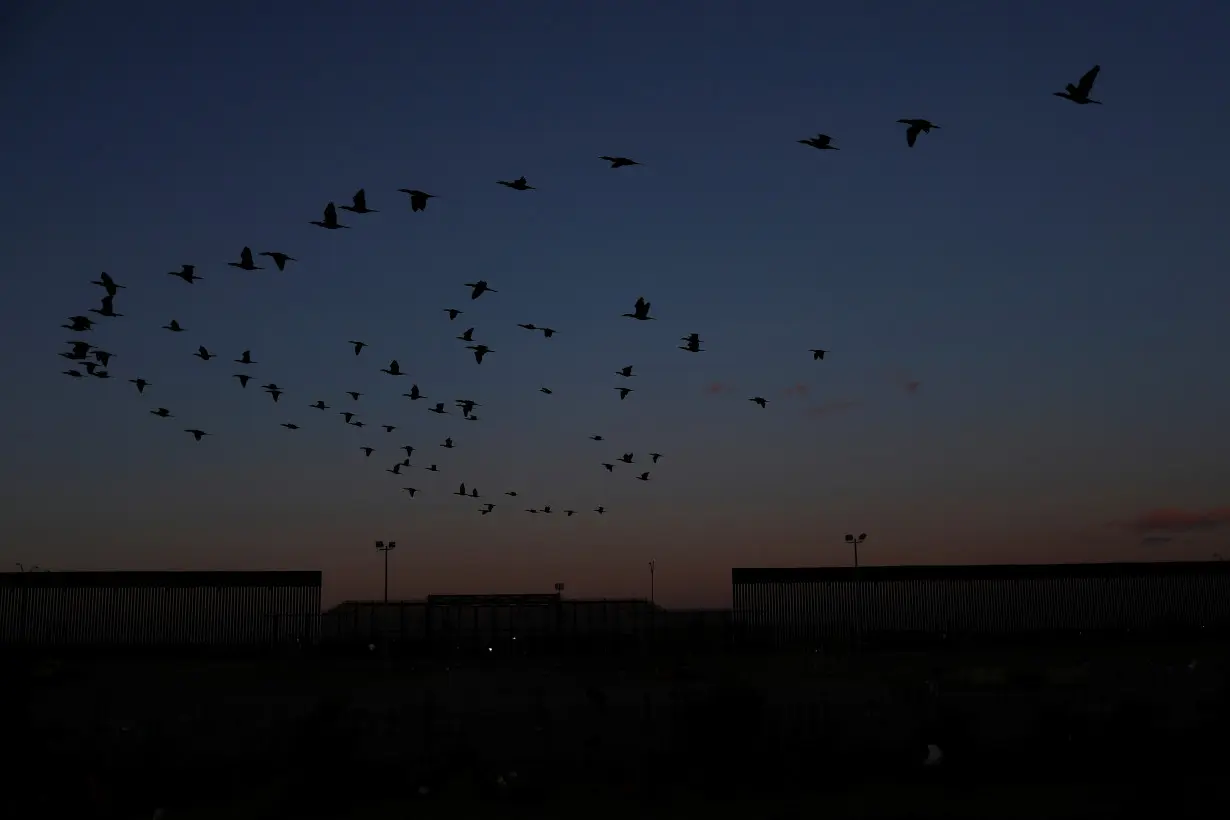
(1175, 519)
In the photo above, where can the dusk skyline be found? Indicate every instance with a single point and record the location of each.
(1024, 313)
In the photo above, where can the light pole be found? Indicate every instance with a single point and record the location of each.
(652, 566)
(854, 541)
(386, 549)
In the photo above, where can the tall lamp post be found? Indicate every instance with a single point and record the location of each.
(652, 566)
(854, 541)
(386, 549)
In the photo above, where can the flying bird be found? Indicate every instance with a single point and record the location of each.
(759, 400)
(418, 199)
(174, 327)
(410, 490)
(623, 392)
(245, 358)
(103, 357)
(187, 273)
(76, 374)
(691, 343)
(626, 458)
(358, 346)
(162, 413)
(414, 394)
(107, 308)
(1079, 93)
(140, 383)
(245, 261)
(330, 219)
(479, 352)
(547, 332)
(105, 281)
(439, 408)
(395, 469)
(518, 184)
(100, 374)
(570, 513)
(640, 311)
(346, 416)
(461, 490)
(917, 126)
(595, 438)
(409, 449)
(528, 326)
(319, 405)
(453, 313)
(448, 444)
(243, 378)
(817, 354)
(354, 394)
(467, 406)
(367, 451)
(359, 203)
(388, 428)
(620, 162)
(434, 469)
(512, 493)
(610, 468)
(479, 288)
(546, 390)
(79, 324)
(468, 335)
(197, 434)
(280, 259)
(290, 426)
(643, 477)
(655, 457)
(600, 510)
(204, 355)
(626, 372)
(80, 350)
(821, 141)
(274, 394)
(547, 509)
(394, 369)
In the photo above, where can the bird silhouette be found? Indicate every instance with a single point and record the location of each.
(546, 390)
(448, 444)
(453, 313)
(245, 261)
(105, 281)
(817, 354)
(759, 400)
(346, 416)
(479, 288)
(414, 394)
(274, 394)
(655, 457)
(290, 426)
(467, 406)
(691, 343)
(821, 141)
(359, 203)
(367, 451)
(319, 405)
(512, 493)
(90, 367)
(532, 512)
(81, 350)
(1079, 93)
(243, 378)
(626, 372)
(610, 468)
(626, 458)
(162, 413)
(198, 434)
(79, 324)
(418, 199)
(528, 326)
(640, 310)
(358, 346)
(98, 374)
(174, 327)
(468, 335)
(204, 355)
(107, 308)
(330, 219)
(600, 510)
(917, 126)
(410, 490)
(434, 469)
(547, 509)
(485, 511)
(643, 477)
(140, 383)
(461, 490)
(595, 438)
(409, 449)
(103, 357)
(547, 332)
(394, 369)
(187, 273)
(570, 513)
(518, 184)
(271, 386)
(439, 408)
(395, 469)
(623, 392)
(280, 259)
(388, 428)
(354, 394)
(245, 358)
(479, 352)
(620, 162)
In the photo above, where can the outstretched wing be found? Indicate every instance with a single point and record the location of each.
(1086, 82)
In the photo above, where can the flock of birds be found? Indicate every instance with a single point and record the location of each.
(93, 361)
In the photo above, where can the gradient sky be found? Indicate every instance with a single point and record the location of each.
(1027, 313)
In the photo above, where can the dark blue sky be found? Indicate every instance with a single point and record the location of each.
(1026, 312)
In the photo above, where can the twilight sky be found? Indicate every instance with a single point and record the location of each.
(1026, 312)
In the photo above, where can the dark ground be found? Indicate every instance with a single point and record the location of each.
(1072, 732)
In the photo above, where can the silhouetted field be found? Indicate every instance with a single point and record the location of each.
(1073, 731)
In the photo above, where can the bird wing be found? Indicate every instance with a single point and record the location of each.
(911, 134)
(1086, 82)
(360, 199)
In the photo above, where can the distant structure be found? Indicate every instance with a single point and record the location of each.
(813, 605)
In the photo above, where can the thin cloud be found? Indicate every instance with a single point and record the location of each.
(828, 408)
(1176, 519)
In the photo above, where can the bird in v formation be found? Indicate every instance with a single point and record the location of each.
(94, 360)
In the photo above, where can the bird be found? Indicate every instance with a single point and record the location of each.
(243, 378)
(479, 288)
(79, 324)
(358, 346)
(623, 392)
(821, 141)
(570, 513)
(103, 357)
(600, 510)
(439, 408)
(101, 374)
(162, 413)
(547, 509)
(280, 259)
(274, 394)
(448, 444)
(414, 394)
(418, 199)
(319, 405)
(610, 468)
(410, 490)
(197, 434)
(245, 261)
(512, 493)
(626, 458)
(80, 350)
(655, 457)
(643, 477)
(486, 511)
(595, 438)
(1079, 93)
(626, 372)
(76, 374)
(204, 355)
(461, 490)
(479, 352)
(546, 390)
(346, 416)
(330, 219)
(917, 126)
(641, 310)
(359, 203)
(107, 308)
(105, 281)
(367, 451)
(388, 428)
(409, 450)
(692, 343)
(468, 335)
(453, 313)
(467, 406)
(532, 512)
(187, 273)
(473, 493)
(471, 418)
(434, 469)
(140, 383)
(394, 369)
(245, 358)
(528, 326)
(271, 386)
(290, 426)
(817, 354)
(174, 327)
(547, 332)
(759, 400)
(620, 162)
(354, 394)
(518, 184)
(395, 469)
